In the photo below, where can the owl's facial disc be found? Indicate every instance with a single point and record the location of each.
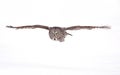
(57, 34)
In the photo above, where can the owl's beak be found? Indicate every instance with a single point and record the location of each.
(55, 39)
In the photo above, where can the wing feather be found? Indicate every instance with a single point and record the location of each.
(85, 27)
(29, 26)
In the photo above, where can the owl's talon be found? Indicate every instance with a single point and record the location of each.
(69, 34)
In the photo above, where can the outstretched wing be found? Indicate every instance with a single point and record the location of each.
(85, 27)
(29, 26)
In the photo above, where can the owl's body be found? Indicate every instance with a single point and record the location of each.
(58, 33)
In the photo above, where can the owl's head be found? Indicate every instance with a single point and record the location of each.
(57, 33)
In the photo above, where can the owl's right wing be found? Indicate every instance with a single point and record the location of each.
(86, 27)
(29, 26)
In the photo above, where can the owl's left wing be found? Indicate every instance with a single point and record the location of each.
(86, 27)
(29, 26)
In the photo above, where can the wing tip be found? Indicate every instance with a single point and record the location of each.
(9, 26)
(107, 27)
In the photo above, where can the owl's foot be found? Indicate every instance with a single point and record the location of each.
(69, 34)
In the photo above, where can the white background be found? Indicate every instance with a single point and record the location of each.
(87, 52)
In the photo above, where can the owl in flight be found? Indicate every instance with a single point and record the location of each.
(58, 33)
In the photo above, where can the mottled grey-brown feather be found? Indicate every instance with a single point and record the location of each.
(86, 27)
(29, 26)
(57, 33)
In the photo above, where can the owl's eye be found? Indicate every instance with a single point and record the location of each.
(55, 32)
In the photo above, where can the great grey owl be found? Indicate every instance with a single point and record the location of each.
(58, 33)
